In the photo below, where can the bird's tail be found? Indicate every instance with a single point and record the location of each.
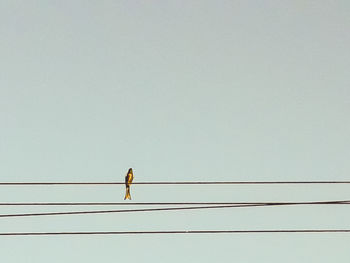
(127, 193)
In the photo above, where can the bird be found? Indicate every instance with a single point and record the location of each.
(128, 180)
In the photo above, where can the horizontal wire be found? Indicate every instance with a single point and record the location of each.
(119, 211)
(171, 183)
(178, 232)
(168, 209)
(167, 203)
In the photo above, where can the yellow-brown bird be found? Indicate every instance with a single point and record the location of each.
(128, 180)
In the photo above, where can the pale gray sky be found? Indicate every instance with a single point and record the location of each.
(178, 90)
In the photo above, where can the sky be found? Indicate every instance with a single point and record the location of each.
(179, 91)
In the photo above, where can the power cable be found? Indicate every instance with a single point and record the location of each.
(168, 209)
(166, 203)
(119, 211)
(174, 183)
(178, 232)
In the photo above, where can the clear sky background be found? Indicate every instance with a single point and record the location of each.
(180, 91)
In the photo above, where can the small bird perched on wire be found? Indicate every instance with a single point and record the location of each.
(128, 180)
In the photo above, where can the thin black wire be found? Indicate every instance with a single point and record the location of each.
(171, 183)
(169, 209)
(167, 203)
(119, 211)
(178, 232)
